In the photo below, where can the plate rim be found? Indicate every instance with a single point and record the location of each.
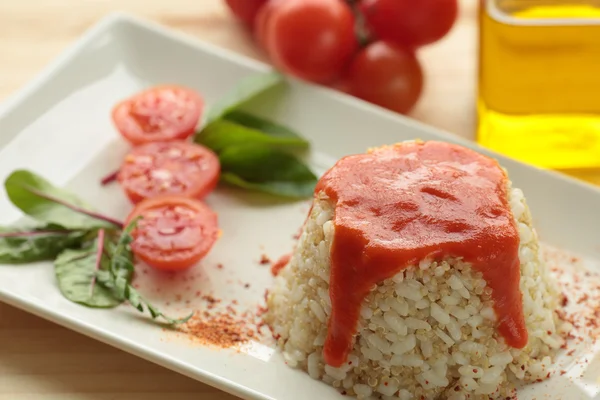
(112, 21)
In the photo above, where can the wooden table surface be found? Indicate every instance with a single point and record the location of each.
(42, 361)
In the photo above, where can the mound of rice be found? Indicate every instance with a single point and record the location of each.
(427, 333)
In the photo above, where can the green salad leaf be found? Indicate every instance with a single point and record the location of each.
(26, 244)
(121, 262)
(266, 126)
(295, 190)
(46, 203)
(76, 272)
(223, 134)
(140, 303)
(267, 170)
(244, 91)
(250, 147)
(120, 272)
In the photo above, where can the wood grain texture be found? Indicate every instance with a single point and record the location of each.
(42, 361)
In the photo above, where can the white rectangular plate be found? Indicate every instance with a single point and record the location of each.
(59, 126)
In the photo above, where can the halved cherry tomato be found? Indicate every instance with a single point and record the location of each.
(174, 232)
(158, 114)
(410, 23)
(169, 168)
(245, 10)
(310, 39)
(387, 75)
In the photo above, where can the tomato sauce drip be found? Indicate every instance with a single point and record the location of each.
(280, 264)
(400, 204)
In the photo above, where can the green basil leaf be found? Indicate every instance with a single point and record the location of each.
(140, 303)
(121, 261)
(265, 126)
(245, 91)
(294, 190)
(44, 202)
(121, 271)
(221, 135)
(77, 271)
(261, 164)
(267, 170)
(20, 245)
(134, 299)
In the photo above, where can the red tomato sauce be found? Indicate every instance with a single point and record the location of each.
(397, 205)
(280, 264)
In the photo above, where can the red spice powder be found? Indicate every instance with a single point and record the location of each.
(231, 310)
(579, 301)
(212, 302)
(210, 299)
(280, 264)
(297, 235)
(264, 259)
(222, 324)
(223, 330)
(584, 294)
(583, 298)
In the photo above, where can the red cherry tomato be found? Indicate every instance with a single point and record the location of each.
(410, 23)
(245, 10)
(342, 85)
(386, 75)
(169, 168)
(174, 233)
(311, 39)
(158, 114)
(260, 25)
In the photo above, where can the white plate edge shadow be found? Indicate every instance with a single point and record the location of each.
(129, 346)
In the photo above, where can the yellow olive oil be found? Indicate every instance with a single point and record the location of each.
(539, 81)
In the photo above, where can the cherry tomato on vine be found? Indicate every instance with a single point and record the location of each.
(410, 23)
(387, 75)
(311, 39)
(158, 114)
(246, 10)
(174, 232)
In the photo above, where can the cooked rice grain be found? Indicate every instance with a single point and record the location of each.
(426, 332)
